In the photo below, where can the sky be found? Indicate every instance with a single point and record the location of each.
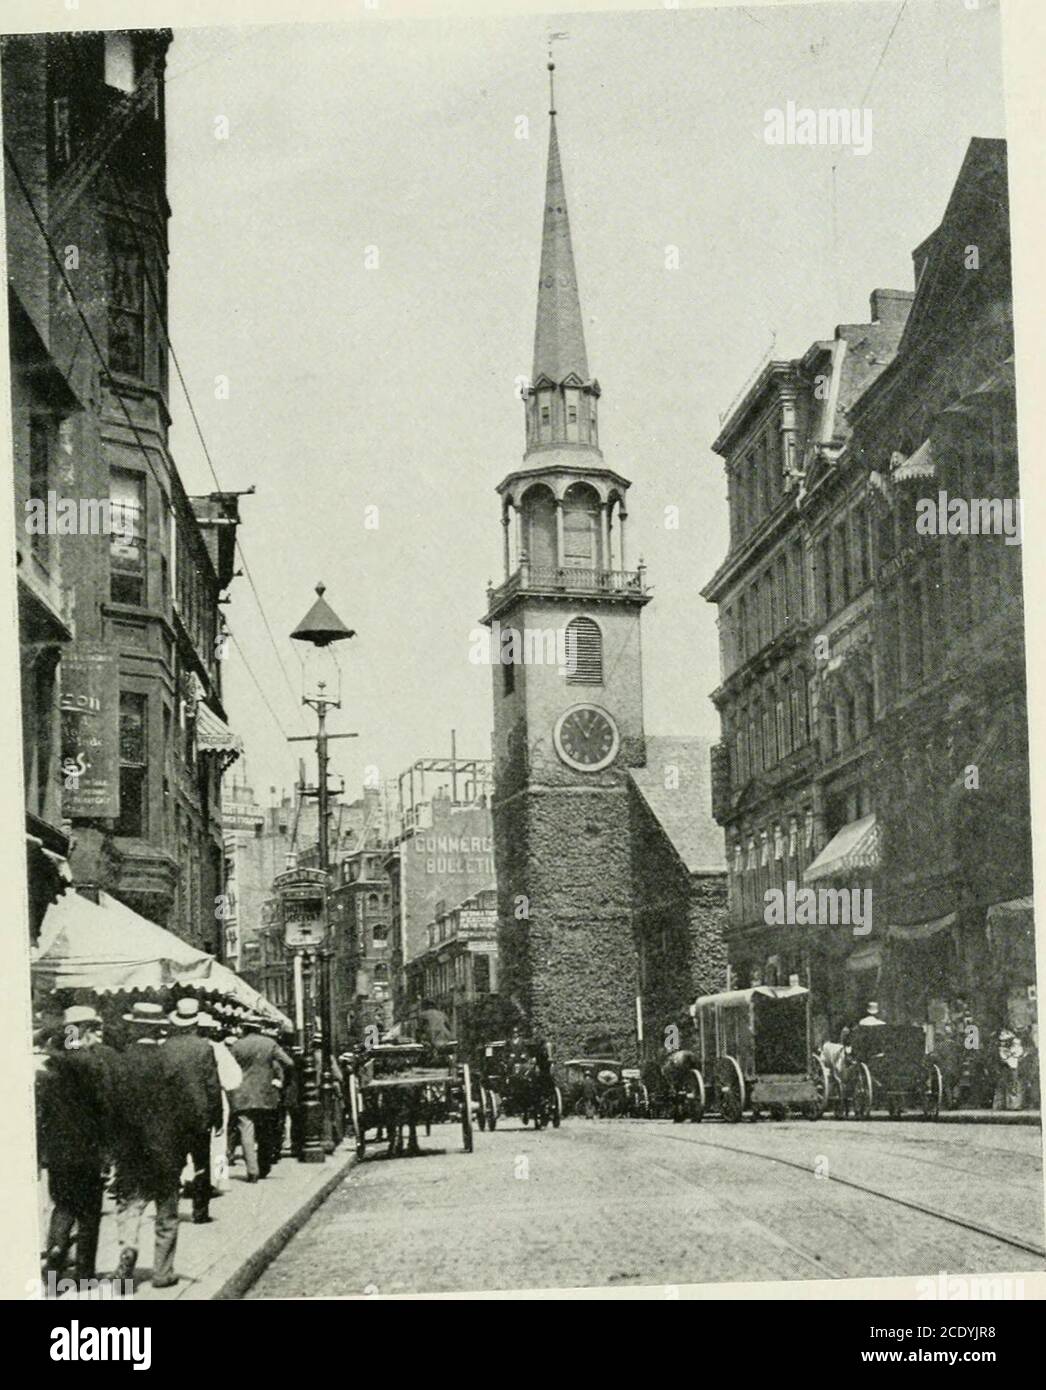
(300, 154)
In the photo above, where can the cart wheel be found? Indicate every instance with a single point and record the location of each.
(481, 1108)
(466, 1108)
(731, 1090)
(696, 1099)
(822, 1085)
(493, 1107)
(933, 1092)
(557, 1107)
(357, 1119)
(862, 1091)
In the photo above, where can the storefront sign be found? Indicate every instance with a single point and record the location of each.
(90, 705)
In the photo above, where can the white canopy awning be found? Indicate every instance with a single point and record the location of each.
(107, 947)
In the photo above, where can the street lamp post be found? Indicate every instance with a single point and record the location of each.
(320, 627)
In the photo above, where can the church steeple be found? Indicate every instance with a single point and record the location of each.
(561, 399)
(559, 337)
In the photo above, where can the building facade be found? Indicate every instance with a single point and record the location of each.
(796, 701)
(872, 702)
(936, 438)
(442, 853)
(458, 970)
(124, 728)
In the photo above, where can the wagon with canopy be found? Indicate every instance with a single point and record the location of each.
(754, 1052)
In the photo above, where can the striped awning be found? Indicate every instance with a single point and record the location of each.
(917, 465)
(853, 849)
(213, 735)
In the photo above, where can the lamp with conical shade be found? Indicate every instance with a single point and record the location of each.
(321, 625)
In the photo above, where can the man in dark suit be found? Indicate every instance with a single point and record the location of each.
(76, 1128)
(189, 1060)
(150, 1153)
(256, 1103)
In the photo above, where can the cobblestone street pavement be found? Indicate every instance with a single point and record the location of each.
(648, 1202)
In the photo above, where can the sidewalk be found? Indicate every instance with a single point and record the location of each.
(251, 1224)
(990, 1117)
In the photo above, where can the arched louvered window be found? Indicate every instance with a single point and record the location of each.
(584, 643)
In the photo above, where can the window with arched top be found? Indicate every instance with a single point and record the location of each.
(584, 651)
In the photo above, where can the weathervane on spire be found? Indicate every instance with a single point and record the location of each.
(552, 73)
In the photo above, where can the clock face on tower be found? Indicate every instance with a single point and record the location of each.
(586, 738)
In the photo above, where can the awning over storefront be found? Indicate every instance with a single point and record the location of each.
(918, 465)
(221, 980)
(849, 851)
(107, 947)
(919, 931)
(213, 735)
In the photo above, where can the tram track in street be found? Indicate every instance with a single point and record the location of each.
(978, 1228)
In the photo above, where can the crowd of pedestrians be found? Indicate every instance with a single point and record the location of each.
(169, 1108)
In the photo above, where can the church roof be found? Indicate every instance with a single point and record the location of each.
(559, 339)
(683, 811)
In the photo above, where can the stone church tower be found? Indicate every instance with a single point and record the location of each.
(566, 732)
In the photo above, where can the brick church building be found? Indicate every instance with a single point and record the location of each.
(610, 868)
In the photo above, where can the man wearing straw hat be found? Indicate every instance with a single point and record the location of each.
(190, 1060)
(150, 1154)
(77, 1124)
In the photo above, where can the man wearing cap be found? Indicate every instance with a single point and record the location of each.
(150, 1154)
(256, 1102)
(76, 1127)
(189, 1060)
(871, 1018)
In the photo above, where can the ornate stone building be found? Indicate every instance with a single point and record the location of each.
(794, 597)
(872, 701)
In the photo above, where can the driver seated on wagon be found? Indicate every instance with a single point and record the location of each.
(433, 1027)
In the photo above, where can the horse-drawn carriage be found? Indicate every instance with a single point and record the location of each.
(753, 1051)
(389, 1084)
(887, 1067)
(518, 1080)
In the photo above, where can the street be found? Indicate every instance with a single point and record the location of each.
(599, 1203)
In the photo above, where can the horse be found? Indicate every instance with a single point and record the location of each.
(399, 1106)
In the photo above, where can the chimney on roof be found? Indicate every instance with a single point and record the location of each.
(891, 306)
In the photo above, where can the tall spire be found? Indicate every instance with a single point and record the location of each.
(559, 339)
